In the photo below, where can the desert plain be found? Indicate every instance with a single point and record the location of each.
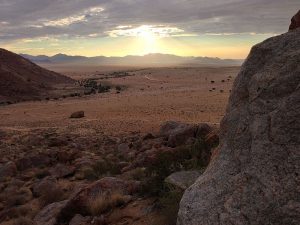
(149, 97)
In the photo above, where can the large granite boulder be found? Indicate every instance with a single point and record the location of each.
(253, 178)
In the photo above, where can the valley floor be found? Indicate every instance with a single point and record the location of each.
(151, 96)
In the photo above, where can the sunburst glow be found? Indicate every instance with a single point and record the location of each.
(147, 35)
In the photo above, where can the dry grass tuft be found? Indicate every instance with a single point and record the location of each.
(104, 203)
(51, 195)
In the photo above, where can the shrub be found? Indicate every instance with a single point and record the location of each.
(118, 88)
(105, 202)
(138, 174)
(100, 169)
(42, 173)
(103, 89)
(51, 195)
(165, 164)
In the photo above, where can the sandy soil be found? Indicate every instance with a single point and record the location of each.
(152, 96)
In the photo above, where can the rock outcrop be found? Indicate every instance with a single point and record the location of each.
(295, 21)
(254, 176)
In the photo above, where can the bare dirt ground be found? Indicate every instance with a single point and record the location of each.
(151, 97)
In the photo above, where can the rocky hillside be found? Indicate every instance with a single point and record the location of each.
(57, 177)
(254, 176)
(21, 79)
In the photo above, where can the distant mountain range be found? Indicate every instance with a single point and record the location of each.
(146, 60)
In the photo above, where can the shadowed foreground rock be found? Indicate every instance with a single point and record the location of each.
(254, 177)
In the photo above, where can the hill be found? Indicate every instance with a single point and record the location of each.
(20, 79)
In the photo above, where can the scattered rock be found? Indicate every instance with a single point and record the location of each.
(36, 160)
(183, 179)
(203, 129)
(181, 134)
(123, 147)
(39, 187)
(49, 214)
(80, 220)
(62, 170)
(77, 115)
(178, 133)
(8, 170)
(167, 127)
(148, 136)
(253, 178)
(57, 142)
(78, 201)
(67, 156)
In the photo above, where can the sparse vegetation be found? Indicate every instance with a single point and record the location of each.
(42, 173)
(51, 195)
(105, 202)
(118, 88)
(100, 169)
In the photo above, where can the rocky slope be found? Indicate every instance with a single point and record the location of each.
(52, 176)
(21, 79)
(254, 177)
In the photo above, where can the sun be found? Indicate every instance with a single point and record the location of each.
(148, 37)
(146, 33)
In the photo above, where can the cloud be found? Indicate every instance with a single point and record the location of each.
(81, 17)
(20, 19)
(145, 30)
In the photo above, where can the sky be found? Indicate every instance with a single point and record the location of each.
(218, 28)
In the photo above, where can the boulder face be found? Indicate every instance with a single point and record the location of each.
(254, 176)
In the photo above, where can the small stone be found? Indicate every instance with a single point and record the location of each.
(77, 115)
(183, 179)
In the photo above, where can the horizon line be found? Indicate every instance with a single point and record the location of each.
(154, 53)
